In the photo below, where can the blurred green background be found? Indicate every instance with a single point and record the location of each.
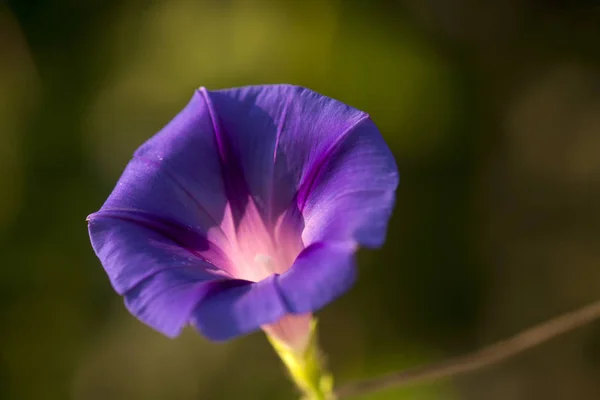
(492, 109)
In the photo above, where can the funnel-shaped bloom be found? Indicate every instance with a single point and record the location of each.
(245, 211)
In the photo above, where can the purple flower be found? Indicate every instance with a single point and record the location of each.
(245, 211)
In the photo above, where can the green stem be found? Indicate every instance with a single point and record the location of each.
(306, 368)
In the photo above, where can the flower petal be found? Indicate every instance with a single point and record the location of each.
(239, 307)
(131, 248)
(280, 134)
(301, 150)
(178, 174)
(166, 300)
(353, 196)
(320, 274)
(161, 279)
(185, 151)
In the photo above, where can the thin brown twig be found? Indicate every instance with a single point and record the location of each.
(480, 359)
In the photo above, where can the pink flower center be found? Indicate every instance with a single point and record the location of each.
(256, 250)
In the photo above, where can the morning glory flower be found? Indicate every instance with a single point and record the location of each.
(245, 212)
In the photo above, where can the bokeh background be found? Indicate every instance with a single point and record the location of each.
(492, 109)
